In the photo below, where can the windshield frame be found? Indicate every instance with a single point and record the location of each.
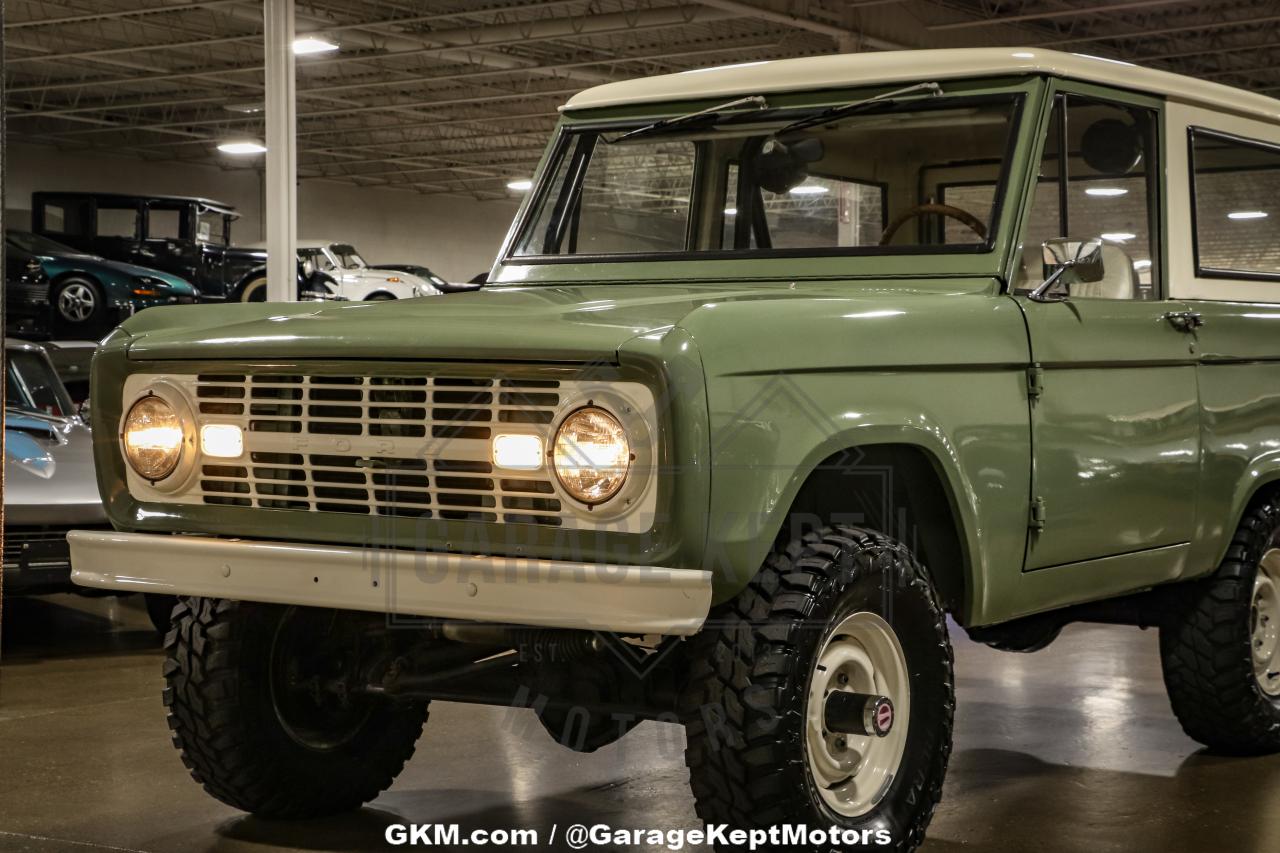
(987, 260)
(335, 251)
(572, 138)
(14, 366)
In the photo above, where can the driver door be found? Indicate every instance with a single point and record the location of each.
(1114, 400)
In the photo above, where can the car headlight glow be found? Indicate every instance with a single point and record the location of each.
(153, 437)
(591, 455)
(517, 451)
(224, 441)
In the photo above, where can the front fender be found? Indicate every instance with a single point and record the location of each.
(792, 383)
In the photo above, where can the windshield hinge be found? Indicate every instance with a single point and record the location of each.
(1036, 521)
(1035, 381)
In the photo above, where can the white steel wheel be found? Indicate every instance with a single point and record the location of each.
(77, 301)
(853, 772)
(1265, 623)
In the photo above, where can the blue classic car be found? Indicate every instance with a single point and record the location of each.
(79, 295)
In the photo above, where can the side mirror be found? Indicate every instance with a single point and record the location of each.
(1068, 262)
(308, 268)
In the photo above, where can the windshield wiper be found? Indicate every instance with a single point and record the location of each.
(836, 113)
(756, 101)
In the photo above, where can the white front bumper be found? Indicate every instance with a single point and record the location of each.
(552, 593)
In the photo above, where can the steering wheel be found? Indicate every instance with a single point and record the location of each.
(963, 216)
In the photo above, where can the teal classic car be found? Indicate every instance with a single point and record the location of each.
(780, 366)
(72, 294)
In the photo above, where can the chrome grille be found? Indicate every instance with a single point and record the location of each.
(405, 446)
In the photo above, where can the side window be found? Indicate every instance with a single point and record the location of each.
(1105, 186)
(67, 217)
(164, 223)
(117, 221)
(55, 219)
(1236, 184)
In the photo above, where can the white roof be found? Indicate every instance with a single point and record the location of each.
(910, 66)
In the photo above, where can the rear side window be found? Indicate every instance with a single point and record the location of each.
(1236, 187)
(63, 217)
(117, 221)
(55, 218)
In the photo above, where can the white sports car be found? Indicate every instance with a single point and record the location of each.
(352, 278)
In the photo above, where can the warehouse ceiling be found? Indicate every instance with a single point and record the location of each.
(456, 97)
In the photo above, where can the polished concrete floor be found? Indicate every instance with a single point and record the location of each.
(1071, 749)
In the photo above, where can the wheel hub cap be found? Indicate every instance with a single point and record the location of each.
(852, 770)
(1265, 618)
(76, 302)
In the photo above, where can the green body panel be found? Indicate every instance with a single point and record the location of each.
(1144, 442)
(1239, 379)
(1116, 429)
(944, 371)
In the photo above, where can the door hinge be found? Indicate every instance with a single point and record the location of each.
(1035, 381)
(1037, 514)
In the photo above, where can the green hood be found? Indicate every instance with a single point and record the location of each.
(545, 323)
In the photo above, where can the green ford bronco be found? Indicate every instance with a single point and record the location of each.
(781, 365)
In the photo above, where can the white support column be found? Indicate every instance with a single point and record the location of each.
(282, 153)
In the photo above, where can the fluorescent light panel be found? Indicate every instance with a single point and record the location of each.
(308, 45)
(241, 146)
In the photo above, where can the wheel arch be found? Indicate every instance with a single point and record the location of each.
(114, 295)
(58, 279)
(1262, 483)
(379, 294)
(902, 489)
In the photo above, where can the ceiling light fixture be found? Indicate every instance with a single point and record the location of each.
(1118, 236)
(308, 45)
(520, 185)
(1239, 215)
(246, 107)
(731, 211)
(1106, 192)
(241, 147)
(808, 189)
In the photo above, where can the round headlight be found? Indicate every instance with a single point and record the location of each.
(591, 455)
(153, 437)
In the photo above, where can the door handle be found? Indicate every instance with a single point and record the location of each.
(1185, 321)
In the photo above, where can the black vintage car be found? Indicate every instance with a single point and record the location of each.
(188, 237)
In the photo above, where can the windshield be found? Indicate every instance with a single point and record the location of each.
(347, 256)
(36, 245)
(916, 175)
(32, 386)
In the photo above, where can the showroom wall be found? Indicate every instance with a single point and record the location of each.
(456, 237)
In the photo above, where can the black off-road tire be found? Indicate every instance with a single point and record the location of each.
(225, 724)
(1205, 647)
(160, 611)
(743, 704)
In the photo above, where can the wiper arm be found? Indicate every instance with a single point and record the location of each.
(835, 113)
(756, 101)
